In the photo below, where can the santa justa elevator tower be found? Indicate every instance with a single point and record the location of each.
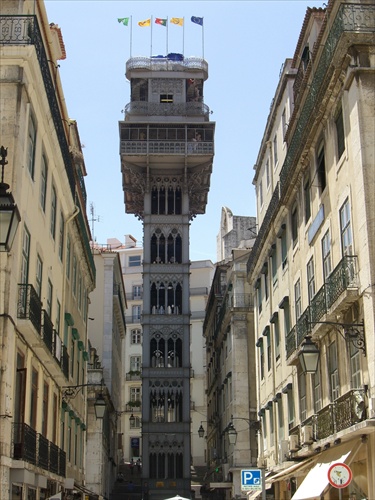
(167, 149)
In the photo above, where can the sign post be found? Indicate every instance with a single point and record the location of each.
(253, 480)
(339, 476)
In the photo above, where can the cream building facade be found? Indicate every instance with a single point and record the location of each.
(312, 266)
(230, 365)
(48, 273)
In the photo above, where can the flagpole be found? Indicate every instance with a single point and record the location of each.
(167, 38)
(202, 38)
(151, 38)
(131, 35)
(183, 36)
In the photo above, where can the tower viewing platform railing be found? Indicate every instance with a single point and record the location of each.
(167, 63)
(144, 108)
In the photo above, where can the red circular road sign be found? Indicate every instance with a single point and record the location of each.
(339, 475)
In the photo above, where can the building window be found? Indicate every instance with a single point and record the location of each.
(286, 318)
(261, 363)
(74, 276)
(295, 225)
(355, 367)
(264, 431)
(272, 429)
(259, 295)
(71, 357)
(25, 256)
(284, 248)
(136, 314)
(136, 337)
(276, 330)
(58, 316)
(135, 423)
(135, 394)
(266, 288)
(326, 253)
(307, 199)
(137, 292)
(166, 98)
(290, 409)
(311, 279)
(283, 123)
(346, 229)
(302, 396)
(49, 298)
(274, 265)
(340, 134)
(275, 151)
(31, 146)
(297, 299)
(33, 398)
(68, 257)
(134, 260)
(45, 409)
(61, 237)
(268, 176)
(261, 200)
(333, 371)
(269, 352)
(317, 387)
(135, 363)
(39, 276)
(321, 167)
(280, 414)
(43, 183)
(53, 212)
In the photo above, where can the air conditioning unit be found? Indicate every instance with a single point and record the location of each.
(294, 442)
(307, 434)
(283, 450)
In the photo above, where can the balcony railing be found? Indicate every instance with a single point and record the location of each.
(29, 306)
(167, 147)
(65, 361)
(172, 109)
(166, 63)
(345, 411)
(342, 278)
(35, 449)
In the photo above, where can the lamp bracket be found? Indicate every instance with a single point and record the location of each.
(352, 332)
(71, 391)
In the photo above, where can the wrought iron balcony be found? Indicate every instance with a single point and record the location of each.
(65, 361)
(345, 411)
(34, 448)
(343, 277)
(29, 306)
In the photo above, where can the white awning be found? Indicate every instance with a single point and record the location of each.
(316, 479)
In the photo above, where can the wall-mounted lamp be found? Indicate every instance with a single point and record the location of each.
(352, 332)
(132, 419)
(309, 356)
(9, 213)
(100, 404)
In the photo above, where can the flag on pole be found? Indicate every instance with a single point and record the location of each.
(142, 24)
(123, 20)
(197, 20)
(178, 21)
(162, 22)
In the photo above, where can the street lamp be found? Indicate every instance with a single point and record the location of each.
(9, 213)
(100, 405)
(232, 433)
(309, 355)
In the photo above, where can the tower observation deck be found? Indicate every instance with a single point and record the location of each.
(167, 149)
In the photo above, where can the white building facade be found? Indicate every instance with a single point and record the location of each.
(312, 266)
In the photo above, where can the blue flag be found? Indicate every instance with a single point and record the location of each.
(197, 20)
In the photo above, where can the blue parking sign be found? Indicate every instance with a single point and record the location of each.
(251, 479)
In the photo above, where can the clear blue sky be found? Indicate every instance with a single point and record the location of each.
(245, 44)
